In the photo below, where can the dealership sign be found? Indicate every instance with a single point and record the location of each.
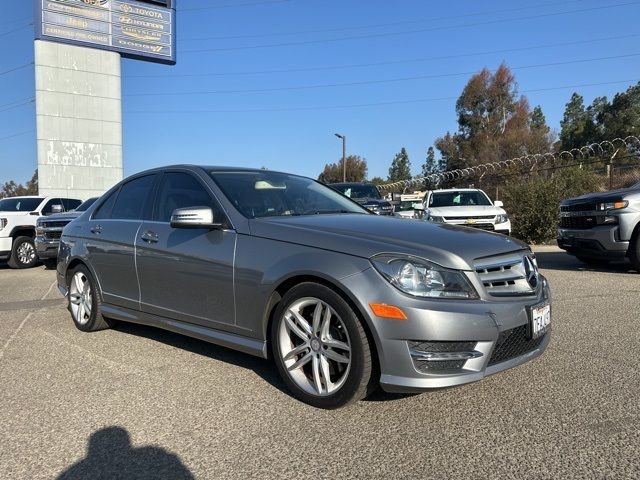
(144, 30)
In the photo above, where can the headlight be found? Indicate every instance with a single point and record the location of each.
(3, 223)
(420, 278)
(435, 219)
(617, 205)
(502, 219)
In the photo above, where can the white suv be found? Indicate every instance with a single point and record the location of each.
(467, 207)
(18, 218)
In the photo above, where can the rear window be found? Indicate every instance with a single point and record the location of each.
(133, 198)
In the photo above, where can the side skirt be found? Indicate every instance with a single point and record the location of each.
(229, 340)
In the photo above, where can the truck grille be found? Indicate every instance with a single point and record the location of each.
(508, 275)
(579, 207)
(513, 343)
(583, 223)
(60, 224)
(484, 217)
(53, 235)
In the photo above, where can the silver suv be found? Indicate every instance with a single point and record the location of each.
(279, 265)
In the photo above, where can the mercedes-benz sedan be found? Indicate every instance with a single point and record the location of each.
(281, 266)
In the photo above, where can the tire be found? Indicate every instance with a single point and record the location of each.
(326, 363)
(50, 263)
(634, 250)
(595, 262)
(84, 301)
(23, 253)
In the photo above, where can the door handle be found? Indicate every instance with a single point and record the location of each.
(150, 237)
(97, 229)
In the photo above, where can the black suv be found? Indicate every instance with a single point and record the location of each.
(367, 195)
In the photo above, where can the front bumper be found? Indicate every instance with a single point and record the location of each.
(6, 244)
(47, 249)
(481, 324)
(489, 226)
(601, 241)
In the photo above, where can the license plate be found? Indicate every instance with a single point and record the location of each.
(540, 320)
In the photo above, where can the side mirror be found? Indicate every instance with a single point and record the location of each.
(498, 203)
(194, 217)
(56, 209)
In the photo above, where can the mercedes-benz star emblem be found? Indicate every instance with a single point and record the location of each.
(531, 272)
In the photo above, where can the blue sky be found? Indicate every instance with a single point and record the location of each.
(267, 66)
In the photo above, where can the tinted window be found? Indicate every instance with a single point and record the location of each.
(182, 190)
(70, 204)
(459, 199)
(48, 208)
(86, 204)
(19, 204)
(104, 210)
(358, 190)
(271, 194)
(133, 198)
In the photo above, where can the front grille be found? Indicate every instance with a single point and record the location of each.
(52, 235)
(60, 224)
(583, 223)
(513, 343)
(482, 226)
(506, 275)
(579, 207)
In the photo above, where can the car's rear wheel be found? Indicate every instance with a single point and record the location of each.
(634, 250)
(320, 347)
(23, 253)
(84, 301)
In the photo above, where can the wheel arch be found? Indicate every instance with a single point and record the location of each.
(73, 263)
(23, 231)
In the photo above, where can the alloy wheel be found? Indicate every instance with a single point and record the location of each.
(80, 298)
(315, 346)
(26, 253)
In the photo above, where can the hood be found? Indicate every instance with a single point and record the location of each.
(60, 217)
(466, 211)
(369, 235)
(602, 196)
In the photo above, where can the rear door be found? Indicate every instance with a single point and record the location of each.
(111, 236)
(186, 274)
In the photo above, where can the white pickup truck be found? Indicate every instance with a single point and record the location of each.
(18, 218)
(466, 207)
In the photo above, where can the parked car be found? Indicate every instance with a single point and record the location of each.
(49, 231)
(279, 265)
(600, 227)
(367, 195)
(18, 217)
(406, 207)
(468, 207)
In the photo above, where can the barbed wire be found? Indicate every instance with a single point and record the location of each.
(599, 149)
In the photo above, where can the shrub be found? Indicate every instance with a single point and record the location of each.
(533, 203)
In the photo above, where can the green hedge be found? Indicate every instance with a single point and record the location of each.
(533, 203)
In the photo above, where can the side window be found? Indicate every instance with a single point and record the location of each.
(69, 204)
(48, 208)
(182, 190)
(104, 210)
(133, 198)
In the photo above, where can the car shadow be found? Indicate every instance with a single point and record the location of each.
(564, 261)
(266, 369)
(110, 454)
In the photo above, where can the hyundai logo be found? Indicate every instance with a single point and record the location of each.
(531, 272)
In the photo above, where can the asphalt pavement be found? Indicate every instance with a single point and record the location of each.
(137, 402)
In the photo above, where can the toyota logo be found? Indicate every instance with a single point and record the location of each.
(531, 272)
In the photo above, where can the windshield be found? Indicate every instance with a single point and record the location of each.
(406, 205)
(459, 199)
(363, 190)
(19, 204)
(271, 194)
(84, 206)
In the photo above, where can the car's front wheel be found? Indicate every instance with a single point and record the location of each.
(320, 347)
(84, 301)
(23, 253)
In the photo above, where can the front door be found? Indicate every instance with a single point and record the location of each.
(186, 274)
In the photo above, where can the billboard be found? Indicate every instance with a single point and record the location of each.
(143, 30)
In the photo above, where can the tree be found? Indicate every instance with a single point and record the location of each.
(378, 181)
(494, 123)
(356, 170)
(12, 189)
(400, 167)
(574, 124)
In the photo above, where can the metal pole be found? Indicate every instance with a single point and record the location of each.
(344, 158)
